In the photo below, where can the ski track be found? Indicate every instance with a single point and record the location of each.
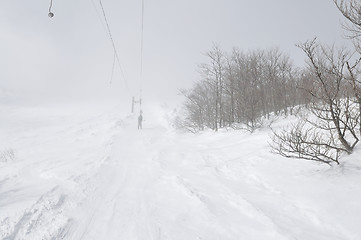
(148, 183)
(153, 184)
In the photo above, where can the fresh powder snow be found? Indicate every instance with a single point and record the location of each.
(87, 172)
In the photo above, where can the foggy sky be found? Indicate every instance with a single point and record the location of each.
(70, 56)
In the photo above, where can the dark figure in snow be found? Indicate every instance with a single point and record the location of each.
(140, 120)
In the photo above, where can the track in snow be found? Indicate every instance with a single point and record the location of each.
(158, 185)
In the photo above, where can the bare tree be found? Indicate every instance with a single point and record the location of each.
(230, 90)
(199, 107)
(354, 73)
(351, 10)
(306, 143)
(241, 89)
(214, 73)
(330, 98)
(333, 128)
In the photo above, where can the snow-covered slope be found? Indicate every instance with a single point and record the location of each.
(88, 173)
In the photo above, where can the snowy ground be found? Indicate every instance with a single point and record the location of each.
(88, 173)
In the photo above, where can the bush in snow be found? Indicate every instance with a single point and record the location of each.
(7, 155)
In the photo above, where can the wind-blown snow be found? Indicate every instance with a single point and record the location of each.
(88, 173)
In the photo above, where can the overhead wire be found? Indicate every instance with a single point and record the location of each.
(113, 44)
(106, 31)
(141, 55)
(116, 56)
(99, 17)
(111, 78)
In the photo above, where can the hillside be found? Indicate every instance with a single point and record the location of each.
(86, 172)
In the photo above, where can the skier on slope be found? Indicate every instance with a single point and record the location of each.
(140, 120)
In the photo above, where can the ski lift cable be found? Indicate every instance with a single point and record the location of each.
(106, 32)
(111, 78)
(113, 44)
(141, 53)
(99, 17)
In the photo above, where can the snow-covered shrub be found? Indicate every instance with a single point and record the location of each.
(7, 155)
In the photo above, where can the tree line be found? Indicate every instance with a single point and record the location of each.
(243, 89)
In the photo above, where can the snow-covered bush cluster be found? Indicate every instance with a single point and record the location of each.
(7, 155)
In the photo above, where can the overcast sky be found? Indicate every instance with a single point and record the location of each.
(70, 56)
